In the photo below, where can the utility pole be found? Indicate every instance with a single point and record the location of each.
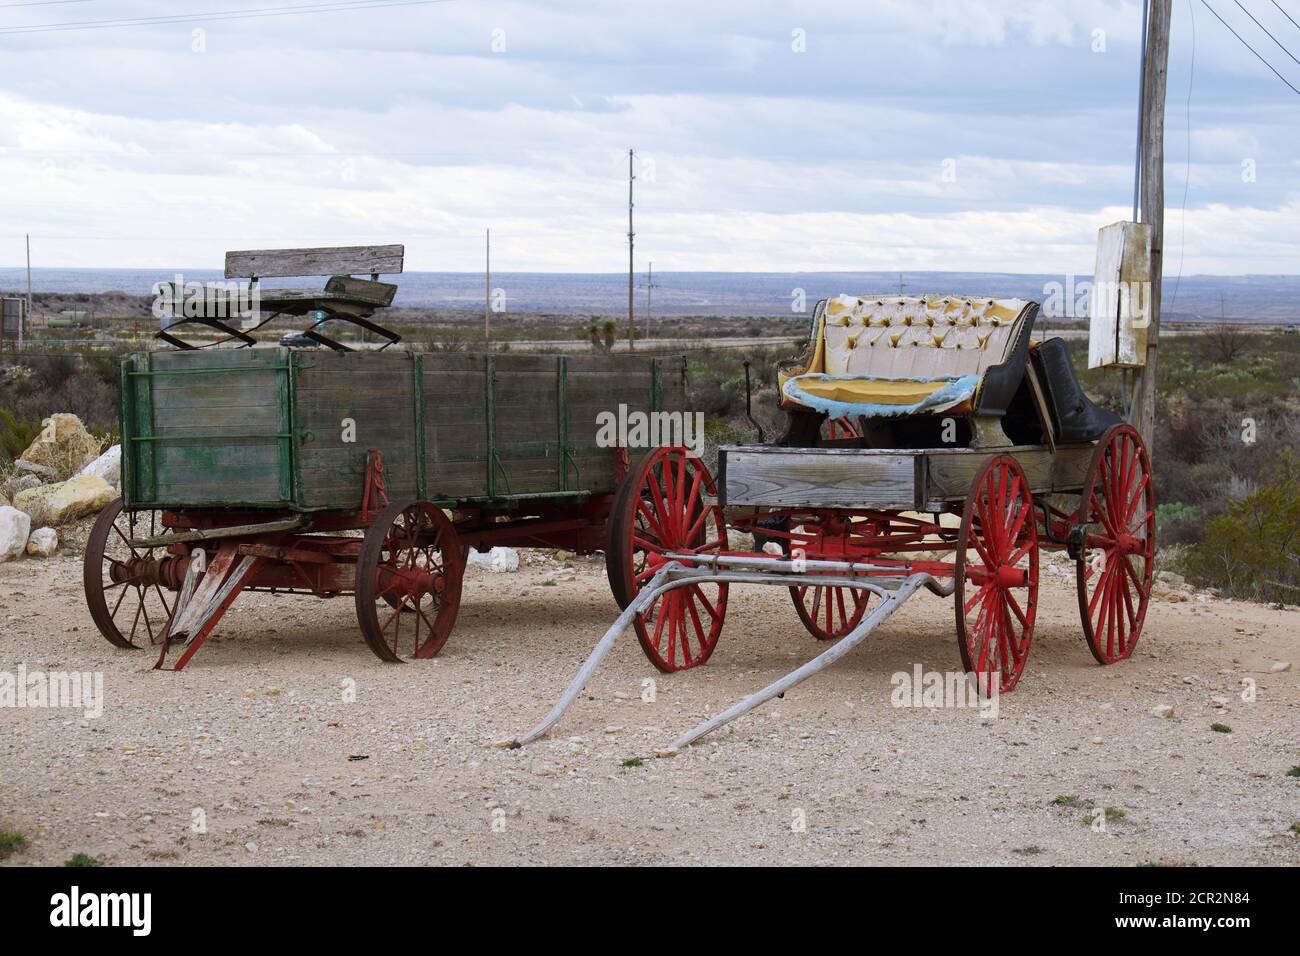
(487, 293)
(1155, 68)
(631, 326)
(23, 319)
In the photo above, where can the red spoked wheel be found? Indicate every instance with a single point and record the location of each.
(412, 562)
(125, 586)
(829, 613)
(834, 429)
(1117, 528)
(661, 508)
(997, 575)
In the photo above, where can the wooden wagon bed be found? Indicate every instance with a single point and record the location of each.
(921, 479)
(280, 429)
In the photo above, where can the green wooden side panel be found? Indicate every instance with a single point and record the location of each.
(455, 425)
(527, 427)
(207, 428)
(346, 403)
(594, 389)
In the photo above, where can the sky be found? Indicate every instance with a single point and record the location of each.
(770, 136)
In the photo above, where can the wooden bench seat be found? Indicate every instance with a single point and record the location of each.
(344, 297)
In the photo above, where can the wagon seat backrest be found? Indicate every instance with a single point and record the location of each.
(883, 356)
(339, 263)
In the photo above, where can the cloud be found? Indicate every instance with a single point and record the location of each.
(977, 135)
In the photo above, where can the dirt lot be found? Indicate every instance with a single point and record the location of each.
(258, 736)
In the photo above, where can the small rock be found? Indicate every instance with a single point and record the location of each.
(43, 543)
(39, 472)
(250, 846)
(1096, 740)
(63, 447)
(1160, 710)
(16, 483)
(65, 501)
(107, 466)
(1280, 667)
(15, 529)
(498, 560)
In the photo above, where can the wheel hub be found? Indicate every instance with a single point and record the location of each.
(1009, 576)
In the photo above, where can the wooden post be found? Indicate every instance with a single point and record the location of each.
(487, 293)
(631, 327)
(23, 319)
(1153, 197)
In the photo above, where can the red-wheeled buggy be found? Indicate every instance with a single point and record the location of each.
(929, 444)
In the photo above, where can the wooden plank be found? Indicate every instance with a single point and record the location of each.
(231, 395)
(1120, 299)
(818, 478)
(321, 261)
(949, 472)
(923, 479)
(377, 394)
(362, 290)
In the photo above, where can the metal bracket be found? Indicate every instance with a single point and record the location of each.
(1074, 541)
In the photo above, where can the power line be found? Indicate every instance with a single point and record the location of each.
(41, 3)
(218, 15)
(1284, 13)
(1265, 29)
(1249, 47)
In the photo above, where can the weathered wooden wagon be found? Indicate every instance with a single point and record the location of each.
(339, 472)
(929, 444)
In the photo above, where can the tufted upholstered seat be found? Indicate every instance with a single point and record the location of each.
(889, 356)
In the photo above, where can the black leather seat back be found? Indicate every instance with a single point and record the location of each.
(1074, 415)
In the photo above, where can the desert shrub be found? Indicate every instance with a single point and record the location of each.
(16, 434)
(1178, 523)
(1252, 550)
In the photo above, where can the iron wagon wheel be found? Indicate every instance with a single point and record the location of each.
(996, 575)
(659, 508)
(827, 612)
(1116, 534)
(123, 585)
(411, 561)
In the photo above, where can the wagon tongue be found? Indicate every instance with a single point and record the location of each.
(744, 569)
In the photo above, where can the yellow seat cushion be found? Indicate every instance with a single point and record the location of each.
(875, 391)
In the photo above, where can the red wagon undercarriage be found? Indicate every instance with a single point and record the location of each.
(164, 579)
(671, 565)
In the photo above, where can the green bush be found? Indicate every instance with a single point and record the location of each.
(1177, 522)
(16, 435)
(1253, 549)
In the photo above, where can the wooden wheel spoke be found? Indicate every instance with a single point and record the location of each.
(1102, 583)
(643, 509)
(1014, 606)
(978, 596)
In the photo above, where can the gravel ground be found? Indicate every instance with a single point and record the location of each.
(259, 741)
